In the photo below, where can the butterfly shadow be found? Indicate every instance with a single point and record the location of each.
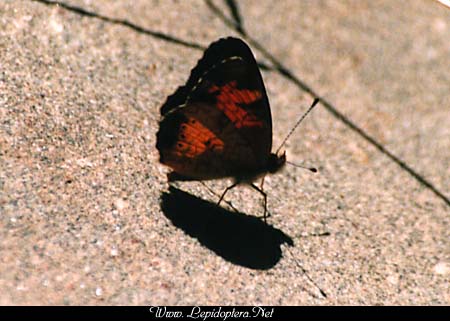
(238, 238)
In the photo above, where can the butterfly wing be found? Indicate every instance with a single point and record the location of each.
(219, 123)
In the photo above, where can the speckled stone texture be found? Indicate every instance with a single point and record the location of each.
(86, 214)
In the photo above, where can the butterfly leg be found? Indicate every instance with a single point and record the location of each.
(215, 194)
(262, 183)
(265, 216)
(225, 191)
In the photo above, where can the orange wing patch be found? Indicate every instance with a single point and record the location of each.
(195, 139)
(228, 99)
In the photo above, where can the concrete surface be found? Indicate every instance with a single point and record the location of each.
(86, 215)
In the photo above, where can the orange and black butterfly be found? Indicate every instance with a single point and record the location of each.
(219, 124)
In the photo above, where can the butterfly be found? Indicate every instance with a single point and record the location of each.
(219, 124)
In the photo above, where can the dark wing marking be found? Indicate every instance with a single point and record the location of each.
(187, 144)
(227, 77)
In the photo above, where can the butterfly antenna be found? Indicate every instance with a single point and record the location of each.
(316, 100)
(312, 169)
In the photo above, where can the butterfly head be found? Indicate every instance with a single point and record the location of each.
(276, 162)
